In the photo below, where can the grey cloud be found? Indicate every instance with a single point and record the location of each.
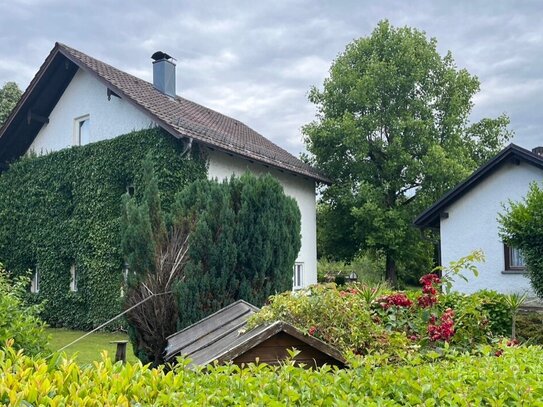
(257, 60)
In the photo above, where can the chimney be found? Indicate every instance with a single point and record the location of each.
(538, 151)
(164, 73)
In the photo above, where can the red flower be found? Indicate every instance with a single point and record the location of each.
(443, 331)
(312, 330)
(498, 353)
(397, 300)
(513, 342)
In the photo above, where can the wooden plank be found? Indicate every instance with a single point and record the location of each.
(198, 330)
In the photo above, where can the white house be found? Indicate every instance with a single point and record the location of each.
(467, 219)
(75, 99)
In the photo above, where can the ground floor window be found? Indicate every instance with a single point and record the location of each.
(35, 282)
(73, 278)
(513, 259)
(298, 278)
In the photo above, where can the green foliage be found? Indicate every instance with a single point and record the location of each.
(9, 96)
(521, 227)
(369, 270)
(340, 318)
(393, 133)
(19, 321)
(64, 208)
(364, 319)
(514, 378)
(243, 246)
(530, 327)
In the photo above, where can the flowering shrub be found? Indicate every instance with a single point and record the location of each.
(443, 331)
(341, 318)
(365, 319)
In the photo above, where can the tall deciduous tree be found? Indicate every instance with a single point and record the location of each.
(9, 96)
(393, 133)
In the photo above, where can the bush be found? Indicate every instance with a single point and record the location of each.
(364, 319)
(514, 378)
(340, 318)
(19, 321)
(530, 327)
(521, 228)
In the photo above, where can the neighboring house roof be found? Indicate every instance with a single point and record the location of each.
(511, 154)
(178, 116)
(218, 337)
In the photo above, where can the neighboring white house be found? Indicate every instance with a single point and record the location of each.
(75, 99)
(467, 219)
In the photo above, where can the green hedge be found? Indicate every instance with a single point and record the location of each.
(64, 208)
(512, 379)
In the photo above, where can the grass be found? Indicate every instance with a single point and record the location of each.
(90, 348)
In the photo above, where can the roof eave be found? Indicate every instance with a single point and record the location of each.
(430, 218)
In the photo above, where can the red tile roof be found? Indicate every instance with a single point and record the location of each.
(183, 117)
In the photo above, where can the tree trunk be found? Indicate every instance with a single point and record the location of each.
(391, 275)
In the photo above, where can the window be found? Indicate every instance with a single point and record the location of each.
(81, 130)
(513, 259)
(298, 278)
(73, 278)
(35, 282)
(124, 284)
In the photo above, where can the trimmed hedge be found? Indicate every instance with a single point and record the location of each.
(64, 208)
(514, 378)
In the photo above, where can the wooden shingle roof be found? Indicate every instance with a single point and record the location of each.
(178, 116)
(220, 337)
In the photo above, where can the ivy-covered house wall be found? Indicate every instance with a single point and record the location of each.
(63, 210)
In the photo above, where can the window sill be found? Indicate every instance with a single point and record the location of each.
(514, 272)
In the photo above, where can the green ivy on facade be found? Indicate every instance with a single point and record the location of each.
(64, 209)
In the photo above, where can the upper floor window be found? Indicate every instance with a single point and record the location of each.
(298, 278)
(35, 282)
(513, 259)
(81, 130)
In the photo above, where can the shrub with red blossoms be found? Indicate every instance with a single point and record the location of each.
(443, 331)
(395, 300)
(430, 284)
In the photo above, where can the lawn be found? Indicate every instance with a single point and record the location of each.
(89, 348)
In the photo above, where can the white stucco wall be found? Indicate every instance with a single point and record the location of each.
(472, 224)
(87, 96)
(222, 166)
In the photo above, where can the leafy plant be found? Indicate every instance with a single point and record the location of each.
(521, 228)
(515, 301)
(20, 322)
(513, 378)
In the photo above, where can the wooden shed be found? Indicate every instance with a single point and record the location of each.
(220, 337)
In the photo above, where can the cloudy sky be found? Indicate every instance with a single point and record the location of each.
(256, 60)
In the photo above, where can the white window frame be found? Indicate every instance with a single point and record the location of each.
(73, 278)
(124, 283)
(77, 128)
(298, 276)
(35, 282)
